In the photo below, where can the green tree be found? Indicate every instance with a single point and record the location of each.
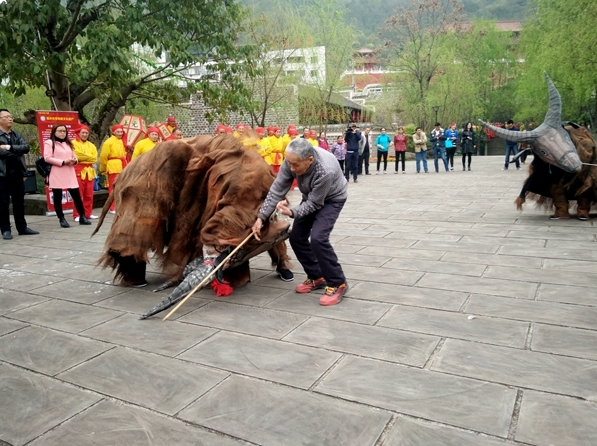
(481, 60)
(560, 39)
(94, 56)
(326, 20)
(276, 37)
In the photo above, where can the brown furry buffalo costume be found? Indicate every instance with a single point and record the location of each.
(553, 188)
(188, 202)
(556, 174)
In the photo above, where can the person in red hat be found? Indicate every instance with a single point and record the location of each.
(270, 131)
(171, 123)
(313, 138)
(86, 154)
(240, 129)
(220, 129)
(263, 143)
(229, 130)
(113, 158)
(147, 144)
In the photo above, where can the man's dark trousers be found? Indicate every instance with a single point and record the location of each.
(318, 257)
(364, 158)
(12, 186)
(351, 162)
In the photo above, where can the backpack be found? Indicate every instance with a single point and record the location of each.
(42, 166)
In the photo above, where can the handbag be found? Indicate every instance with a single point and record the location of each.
(42, 166)
(449, 144)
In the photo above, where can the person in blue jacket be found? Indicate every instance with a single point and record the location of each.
(383, 143)
(451, 143)
(438, 141)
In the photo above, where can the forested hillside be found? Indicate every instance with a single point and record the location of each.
(369, 16)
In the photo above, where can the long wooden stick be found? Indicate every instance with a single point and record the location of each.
(204, 281)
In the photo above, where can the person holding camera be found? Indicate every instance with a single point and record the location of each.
(438, 141)
(352, 137)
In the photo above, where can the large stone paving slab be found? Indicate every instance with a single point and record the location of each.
(508, 286)
(354, 310)
(245, 319)
(568, 294)
(274, 415)
(16, 300)
(108, 423)
(21, 281)
(523, 368)
(413, 432)
(47, 351)
(461, 269)
(463, 402)
(457, 325)
(80, 291)
(555, 420)
(152, 335)
(533, 310)
(558, 277)
(407, 295)
(65, 316)
(31, 404)
(565, 341)
(391, 345)
(492, 259)
(277, 361)
(162, 384)
(8, 326)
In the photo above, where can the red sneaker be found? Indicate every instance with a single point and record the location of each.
(309, 285)
(333, 295)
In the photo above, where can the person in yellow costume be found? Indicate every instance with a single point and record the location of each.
(240, 129)
(171, 123)
(286, 138)
(264, 147)
(145, 145)
(86, 154)
(277, 150)
(313, 138)
(113, 158)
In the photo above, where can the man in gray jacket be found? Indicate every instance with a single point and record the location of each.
(365, 145)
(325, 190)
(12, 167)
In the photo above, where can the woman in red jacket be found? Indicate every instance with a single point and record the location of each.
(400, 147)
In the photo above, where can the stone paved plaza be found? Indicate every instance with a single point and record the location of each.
(467, 323)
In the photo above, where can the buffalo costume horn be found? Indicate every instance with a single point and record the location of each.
(549, 141)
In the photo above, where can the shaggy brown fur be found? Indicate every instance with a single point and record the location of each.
(185, 194)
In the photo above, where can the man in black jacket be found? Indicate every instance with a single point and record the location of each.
(352, 137)
(12, 167)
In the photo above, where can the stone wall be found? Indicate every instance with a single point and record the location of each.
(192, 120)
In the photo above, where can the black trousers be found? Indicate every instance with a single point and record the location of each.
(12, 187)
(341, 162)
(450, 151)
(57, 194)
(317, 256)
(383, 155)
(364, 158)
(352, 159)
(401, 155)
(464, 155)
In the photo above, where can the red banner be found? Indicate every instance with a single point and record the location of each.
(46, 120)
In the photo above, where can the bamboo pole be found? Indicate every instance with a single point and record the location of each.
(204, 281)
